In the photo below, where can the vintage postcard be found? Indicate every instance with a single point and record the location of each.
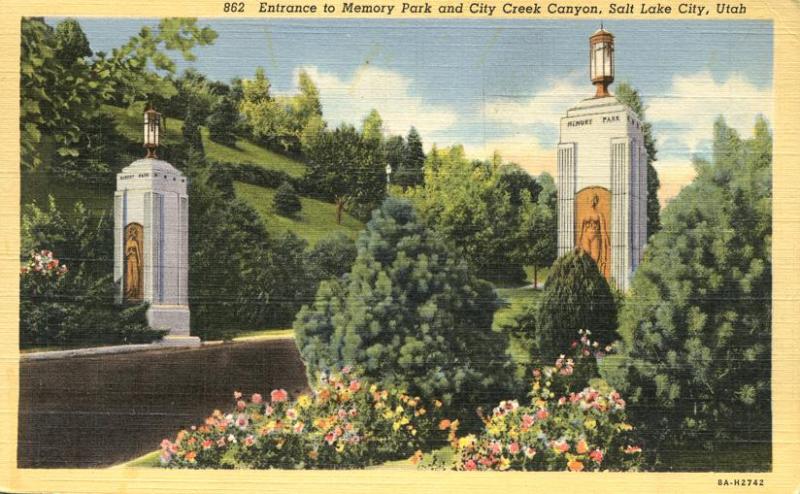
(379, 246)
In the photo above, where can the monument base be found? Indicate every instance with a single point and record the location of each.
(180, 341)
(173, 318)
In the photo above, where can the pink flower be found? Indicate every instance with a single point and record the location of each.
(278, 395)
(207, 443)
(633, 449)
(298, 427)
(249, 440)
(221, 442)
(470, 465)
(268, 410)
(353, 412)
(256, 398)
(596, 455)
(530, 452)
(496, 448)
(237, 395)
(347, 369)
(537, 373)
(291, 414)
(241, 421)
(166, 444)
(542, 414)
(330, 438)
(527, 421)
(561, 446)
(562, 400)
(513, 448)
(354, 385)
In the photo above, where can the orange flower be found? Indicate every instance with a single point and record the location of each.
(444, 424)
(190, 456)
(313, 454)
(582, 447)
(575, 466)
(416, 457)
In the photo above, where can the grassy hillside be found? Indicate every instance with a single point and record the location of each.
(316, 220)
(129, 123)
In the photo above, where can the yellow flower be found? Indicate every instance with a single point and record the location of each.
(303, 401)
(437, 403)
(625, 427)
(398, 410)
(590, 424)
(536, 386)
(373, 388)
(388, 414)
(340, 447)
(466, 441)
(504, 463)
(396, 426)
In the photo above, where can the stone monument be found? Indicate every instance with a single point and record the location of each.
(602, 174)
(151, 238)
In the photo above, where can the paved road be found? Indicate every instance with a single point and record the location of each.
(101, 410)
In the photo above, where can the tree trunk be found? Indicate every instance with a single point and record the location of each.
(339, 210)
(535, 277)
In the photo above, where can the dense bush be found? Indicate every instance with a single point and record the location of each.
(65, 308)
(286, 202)
(410, 313)
(576, 296)
(223, 121)
(223, 175)
(240, 277)
(348, 422)
(569, 425)
(331, 257)
(697, 319)
(74, 307)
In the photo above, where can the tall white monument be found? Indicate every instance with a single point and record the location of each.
(602, 174)
(151, 237)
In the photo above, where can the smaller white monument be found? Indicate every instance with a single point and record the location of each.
(151, 238)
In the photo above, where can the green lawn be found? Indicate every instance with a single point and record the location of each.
(129, 124)
(316, 220)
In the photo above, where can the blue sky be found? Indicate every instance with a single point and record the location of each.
(498, 84)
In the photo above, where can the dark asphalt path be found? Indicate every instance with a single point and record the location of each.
(101, 410)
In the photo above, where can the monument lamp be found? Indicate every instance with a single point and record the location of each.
(601, 61)
(152, 128)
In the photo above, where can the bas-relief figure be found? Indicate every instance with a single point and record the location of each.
(592, 226)
(134, 262)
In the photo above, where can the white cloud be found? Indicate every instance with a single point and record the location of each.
(546, 107)
(684, 116)
(521, 148)
(391, 93)
(673, 175)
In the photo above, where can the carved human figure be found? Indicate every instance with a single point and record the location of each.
(133, 263)
(594, 238)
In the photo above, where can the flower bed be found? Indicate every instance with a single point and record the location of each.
(569, 424)
(348, 422)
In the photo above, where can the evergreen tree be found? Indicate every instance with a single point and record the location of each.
(630, 96)
(286, 202)
(193, 139)
(395, 149)
(697, 321)
(409, 313)
(223, 121)
(576, 296)
(410, 173)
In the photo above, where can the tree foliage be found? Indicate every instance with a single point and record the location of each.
(631, 97)
(345, 167)
(410, 313)
(286, 201)
(482, 207)
(697, 320)
(285, 123)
